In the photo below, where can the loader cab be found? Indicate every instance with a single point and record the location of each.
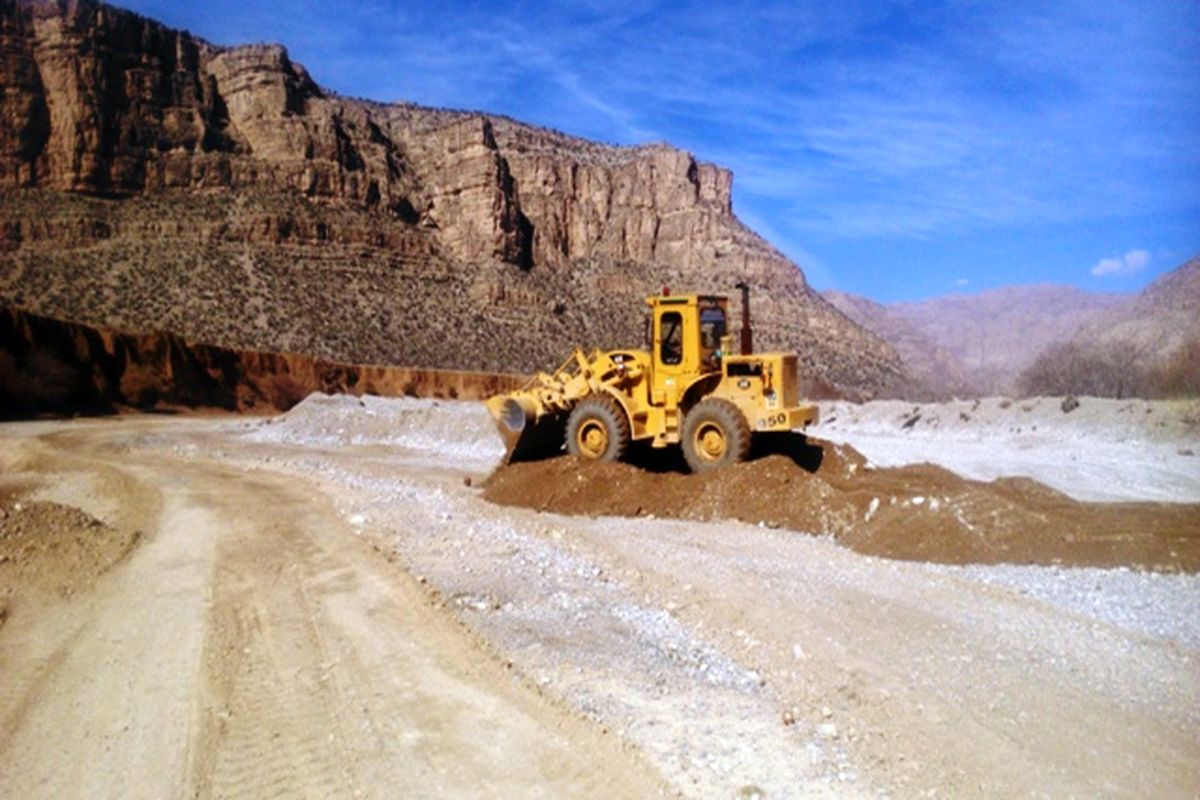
(685, 341)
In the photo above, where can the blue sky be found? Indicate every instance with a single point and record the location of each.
(898, 150)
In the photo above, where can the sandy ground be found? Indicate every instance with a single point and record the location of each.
(323, 604)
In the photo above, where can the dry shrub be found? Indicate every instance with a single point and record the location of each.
(1179, 373)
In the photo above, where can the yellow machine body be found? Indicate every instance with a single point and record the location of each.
(689, 361)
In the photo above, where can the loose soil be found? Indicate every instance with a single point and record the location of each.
(325, 604)
(916, 513)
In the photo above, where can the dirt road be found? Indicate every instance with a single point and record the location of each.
(319, 605)
(253, 647)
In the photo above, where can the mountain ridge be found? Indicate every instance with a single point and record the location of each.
(934, 372)
(1162, 317)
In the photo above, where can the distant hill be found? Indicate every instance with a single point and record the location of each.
(978, 343)
(934, 373)
(1147, 347)
(996, 334)
(981, 343)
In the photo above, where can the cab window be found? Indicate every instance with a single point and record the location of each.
(712, 328)
(670, 331)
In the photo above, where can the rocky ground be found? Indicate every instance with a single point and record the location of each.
(326, 602)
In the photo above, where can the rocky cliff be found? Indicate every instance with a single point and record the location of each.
(153, 181)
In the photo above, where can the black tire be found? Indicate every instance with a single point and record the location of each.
(715, 435)
(598, 429)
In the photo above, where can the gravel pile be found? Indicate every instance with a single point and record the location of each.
(440, 428)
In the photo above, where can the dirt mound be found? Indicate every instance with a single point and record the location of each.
(918, 513)
(51, 550)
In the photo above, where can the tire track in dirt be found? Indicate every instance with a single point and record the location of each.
(330, 679)
(272, 729)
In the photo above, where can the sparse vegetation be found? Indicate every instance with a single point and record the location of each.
(1117, 369)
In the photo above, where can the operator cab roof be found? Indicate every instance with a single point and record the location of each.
(666, 299)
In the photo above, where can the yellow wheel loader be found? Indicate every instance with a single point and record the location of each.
(688, 390)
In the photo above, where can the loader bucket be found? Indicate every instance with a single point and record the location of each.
(527, 436)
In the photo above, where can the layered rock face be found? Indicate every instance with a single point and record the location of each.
(101, 101)
(154, 181)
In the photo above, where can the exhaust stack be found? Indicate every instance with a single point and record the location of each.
(747, 333)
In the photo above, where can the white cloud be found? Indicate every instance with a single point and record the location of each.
(1136, 260)
(1132, 262)
(961, 282)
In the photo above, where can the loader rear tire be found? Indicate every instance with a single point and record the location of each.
(598, 429)
(715, 434)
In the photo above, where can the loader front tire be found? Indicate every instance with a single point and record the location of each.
(598, 429)
(715, 434)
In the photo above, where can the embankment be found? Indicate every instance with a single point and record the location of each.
(48, 366)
